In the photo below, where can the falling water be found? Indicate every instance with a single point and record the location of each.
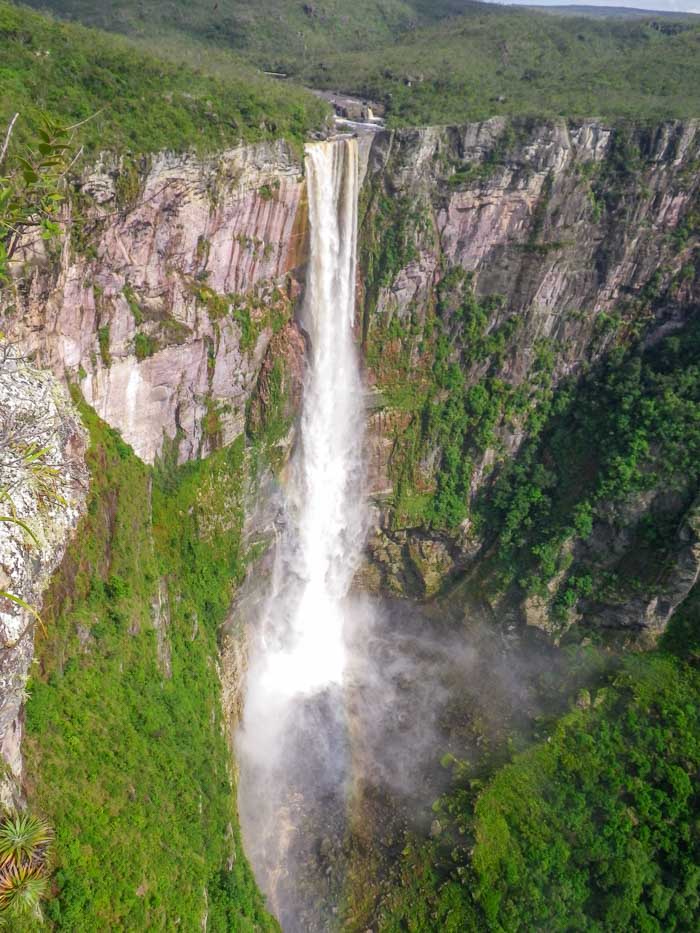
(292, 747)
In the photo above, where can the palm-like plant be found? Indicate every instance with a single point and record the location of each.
(23, 839)
(21, 889)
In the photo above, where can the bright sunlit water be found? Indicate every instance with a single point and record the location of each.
(299, 651)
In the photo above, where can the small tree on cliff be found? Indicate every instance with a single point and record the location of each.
(33, 190)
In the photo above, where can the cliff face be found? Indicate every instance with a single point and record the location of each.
(171, 302)
(523, 213)
(574, 239)
(165, 297)
(43, 481)
(171, 292)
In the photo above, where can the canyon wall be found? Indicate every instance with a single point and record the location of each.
(172, 281)
(506, 259)
(170, 305)
(167, 304)
(566, 240)
(520, 210)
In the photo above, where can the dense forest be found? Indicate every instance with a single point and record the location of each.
(134, 101)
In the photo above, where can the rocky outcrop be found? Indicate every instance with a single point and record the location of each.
(168, 290)
(43, 482)
(406, 563)
(648, 611)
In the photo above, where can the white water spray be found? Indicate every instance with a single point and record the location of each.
(300, 651)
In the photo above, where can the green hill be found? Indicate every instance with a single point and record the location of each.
(141, 103)
(508, 61)
(274, 33)
(425, 62)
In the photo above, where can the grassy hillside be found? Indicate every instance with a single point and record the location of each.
(125, 747)
(142, 103)
(507, 61)
(273, 32)
(425, 61)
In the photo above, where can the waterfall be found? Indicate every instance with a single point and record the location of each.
(292, 746)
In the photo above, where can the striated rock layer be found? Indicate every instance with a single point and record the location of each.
(584, 235)
(521, 211)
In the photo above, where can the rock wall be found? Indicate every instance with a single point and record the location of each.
(583, 232)
(172, 280)
(522, 211)
(169, 302)
(43, 483)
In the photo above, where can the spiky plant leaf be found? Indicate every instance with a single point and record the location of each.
(25, 605)
(21, 889)
(22, 836)
(23, 525)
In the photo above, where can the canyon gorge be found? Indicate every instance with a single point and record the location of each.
(245, 370)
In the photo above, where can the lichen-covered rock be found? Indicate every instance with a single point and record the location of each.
(405, 564)
(432, 562)
(43, 481)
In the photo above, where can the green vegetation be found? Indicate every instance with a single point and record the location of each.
(423, 60)
(253, 312)
(103, 344)
(145, 345)
(275, 34)
(495, 61)
(32, 193)
(449, 413)
(25, 849)
(137, 102)
(646, 408)
(125, 747)
(592, 829)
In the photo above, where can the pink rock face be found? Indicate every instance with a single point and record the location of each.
(170, 314)
(568, 229)
(474, 223)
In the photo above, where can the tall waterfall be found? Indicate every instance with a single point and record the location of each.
(292, 744)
